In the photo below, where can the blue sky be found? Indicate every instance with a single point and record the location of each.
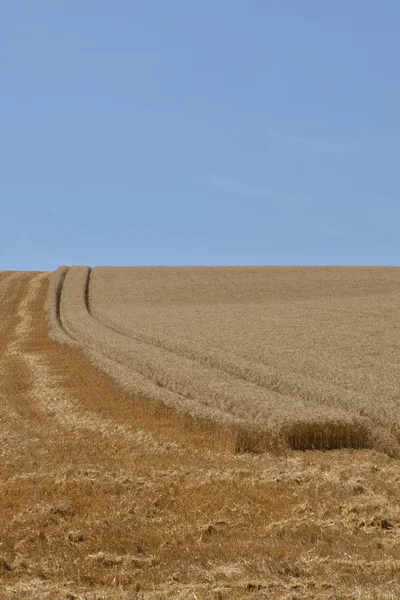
(186, 132)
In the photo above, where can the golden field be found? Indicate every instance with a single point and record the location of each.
(164, 433)
(305, 358)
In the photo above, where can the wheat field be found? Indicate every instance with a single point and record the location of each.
(293, 356)
(164, 433)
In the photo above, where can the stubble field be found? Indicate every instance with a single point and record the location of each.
(162, 433)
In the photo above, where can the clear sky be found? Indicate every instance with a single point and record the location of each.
(186, 132)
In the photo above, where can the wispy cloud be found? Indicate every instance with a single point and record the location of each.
(317, 146)
(260, 193)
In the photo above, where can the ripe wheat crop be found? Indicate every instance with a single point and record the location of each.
(306, 357)
(120, 493)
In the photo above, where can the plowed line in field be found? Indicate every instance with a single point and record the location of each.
(11, 290)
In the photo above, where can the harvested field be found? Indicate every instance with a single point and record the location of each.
(112, 487)
(300, 357)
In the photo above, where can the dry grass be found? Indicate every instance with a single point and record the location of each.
(106, 495)
(290, 356)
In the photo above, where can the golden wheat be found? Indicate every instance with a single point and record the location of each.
(104, 494)
(283, 353)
